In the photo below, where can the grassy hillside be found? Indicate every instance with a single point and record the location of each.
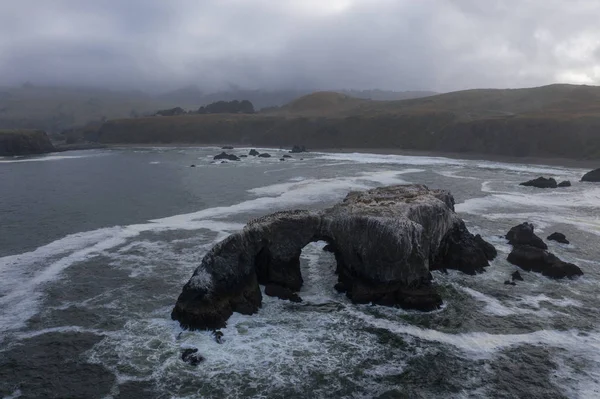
(550, 121)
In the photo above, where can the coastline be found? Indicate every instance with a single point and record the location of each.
(565, 162)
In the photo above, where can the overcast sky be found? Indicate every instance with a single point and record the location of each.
(440, 45)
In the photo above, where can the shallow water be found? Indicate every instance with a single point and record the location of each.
(95, 247)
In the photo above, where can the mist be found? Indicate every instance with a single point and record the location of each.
(300, 44)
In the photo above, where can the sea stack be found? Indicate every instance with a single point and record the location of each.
(385, 241)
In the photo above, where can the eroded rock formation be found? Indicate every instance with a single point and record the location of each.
(385, 242)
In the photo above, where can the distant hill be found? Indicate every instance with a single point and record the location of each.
(58, 108)
(549, 121)
(322, 103)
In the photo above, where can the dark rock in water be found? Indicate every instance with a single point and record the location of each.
(386, 241)
(227, 147)
(253, 152)
(243, 156)
(329, 248)
(508, 282)
(264, 155)
(297, 149)
(558, 237)
(223, 161)
(461, 251)
(287, 156)
(564, 183)
(218, 336)
(593, 176)
(541, 182)
(340, 287)
(192, 166)
(523, 235)
(282, 159)
(224, 155)
(487, 248)
(281, 292)
(516, 276)
(541, 261)
(192, 356)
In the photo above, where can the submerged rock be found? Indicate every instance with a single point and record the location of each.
(541, 182)
(218, 336)
(564, 183)
(192, 356)
(558, 237)
(508, 282)
(541, 261)
(224, 155)
(287, 156)
(264, 155)
(593, 176)
(253, 152)
(386, 242)
(516, 276)
(523, 235)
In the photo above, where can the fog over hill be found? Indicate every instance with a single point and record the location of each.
(54, 108)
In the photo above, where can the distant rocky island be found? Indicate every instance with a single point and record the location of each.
(24, 142)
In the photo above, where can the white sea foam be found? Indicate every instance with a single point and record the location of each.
(44, 158)
(367, 158)
(514, 306)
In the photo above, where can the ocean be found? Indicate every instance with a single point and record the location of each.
(96, 245)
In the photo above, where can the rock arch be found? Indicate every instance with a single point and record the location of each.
(385, 242)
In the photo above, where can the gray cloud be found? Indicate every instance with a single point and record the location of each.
(402, 45)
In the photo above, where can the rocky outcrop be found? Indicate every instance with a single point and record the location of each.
(224, 155)
(297, 148)
(593, 176)
(558, 237)
(538, 260)
(564, 183)
(253, 152)
(264, 155)
(24, 142)
(541, 182)
(192, 356)
(530, 254)
(385, 242)
(523, 235)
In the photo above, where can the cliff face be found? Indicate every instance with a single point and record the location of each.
(385, 242)
(541, 136)
(24, 142)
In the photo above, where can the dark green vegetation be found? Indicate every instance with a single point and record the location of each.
(549, 121)
(24, 142)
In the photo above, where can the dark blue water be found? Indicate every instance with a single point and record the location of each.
(95, 247)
